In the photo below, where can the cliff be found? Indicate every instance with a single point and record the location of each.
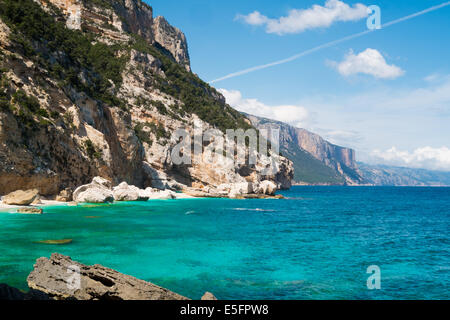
(97, 88)
(316, 161)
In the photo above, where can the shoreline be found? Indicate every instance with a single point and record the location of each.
(43, 204)
(6, 208)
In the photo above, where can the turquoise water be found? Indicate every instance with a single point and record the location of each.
(317, 244)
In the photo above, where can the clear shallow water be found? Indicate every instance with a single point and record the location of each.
(315, 245)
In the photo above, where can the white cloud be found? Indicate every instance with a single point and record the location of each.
(300, 20)
(292, 114)
(341, 137)
(426, 157)
(370, 62)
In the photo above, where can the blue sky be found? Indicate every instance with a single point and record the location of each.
(385, 94)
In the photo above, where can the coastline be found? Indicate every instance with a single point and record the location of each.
(44, 203)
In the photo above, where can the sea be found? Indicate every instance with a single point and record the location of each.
(319, 243)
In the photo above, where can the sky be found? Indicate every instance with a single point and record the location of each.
(384, 93)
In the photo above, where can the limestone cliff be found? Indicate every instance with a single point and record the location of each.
(88, 89)
(117, 20)
(173, 40)
(316, 160)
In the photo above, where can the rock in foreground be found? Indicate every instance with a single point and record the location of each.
(57, 277)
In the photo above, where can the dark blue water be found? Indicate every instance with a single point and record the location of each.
(317, 244)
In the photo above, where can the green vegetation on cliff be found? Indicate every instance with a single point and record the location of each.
(308, 169)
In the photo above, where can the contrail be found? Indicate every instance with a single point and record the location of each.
(329, 44)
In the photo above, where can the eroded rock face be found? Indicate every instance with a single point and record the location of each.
(21, 198)
(55, 276)
(173, 40)
(4, 34)
(116, 20)
(131, 143)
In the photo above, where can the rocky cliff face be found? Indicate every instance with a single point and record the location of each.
(173, 40)
(86, 90)
(306, 149)
(118, 20)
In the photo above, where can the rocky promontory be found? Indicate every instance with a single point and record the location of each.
(61, 278)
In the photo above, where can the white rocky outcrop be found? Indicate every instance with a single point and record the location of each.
(173, 40)
(266, 187)
(125, 192)
(98, 191)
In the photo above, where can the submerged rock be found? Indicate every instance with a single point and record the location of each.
(56, 242)
(30, 211)
(55, 277)
(21, 198)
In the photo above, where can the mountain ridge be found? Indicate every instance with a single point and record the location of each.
(385, 175)
(316, 160)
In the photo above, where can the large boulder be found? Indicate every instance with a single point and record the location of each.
(21, 198)
(96, 192)
(124, 192)
(266, 187)
(62, 278)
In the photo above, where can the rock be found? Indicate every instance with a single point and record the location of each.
(8, 293)
(124, 192)
(237, 188)
(30, 211)
(208, 296)
(266, 187)
(21, 198)
(4, 35)
(37, 202)
(102, 182)
(65, 195)
(183, 196)
(163, 195)
(173, 40)
(56, 242)
(119, 148)
(55, 277)
(96, 192)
